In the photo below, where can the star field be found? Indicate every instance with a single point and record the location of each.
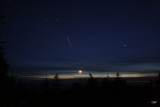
(95, 36)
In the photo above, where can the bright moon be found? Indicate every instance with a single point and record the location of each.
(80, 72)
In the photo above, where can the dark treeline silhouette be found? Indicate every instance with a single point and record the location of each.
(106, 93)
(6, 82)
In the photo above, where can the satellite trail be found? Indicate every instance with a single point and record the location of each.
(69, 41)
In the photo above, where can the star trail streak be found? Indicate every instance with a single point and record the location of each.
(69, 41)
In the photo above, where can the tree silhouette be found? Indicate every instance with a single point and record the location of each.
(117, 77)
(120, 83)
(46, 89)
(3, 62)
(106, 81)
(4, 78)
(92, 82)
(55, 83)
(158, 81)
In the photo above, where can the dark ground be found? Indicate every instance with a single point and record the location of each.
(96, 92)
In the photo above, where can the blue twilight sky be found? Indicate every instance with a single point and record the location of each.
(97, 36)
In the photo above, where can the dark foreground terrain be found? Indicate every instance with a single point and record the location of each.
(108, 93)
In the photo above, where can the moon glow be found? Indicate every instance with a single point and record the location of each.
(79, 71)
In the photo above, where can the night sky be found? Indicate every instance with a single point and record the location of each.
(97, 36)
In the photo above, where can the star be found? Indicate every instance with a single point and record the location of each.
(57, 20)
(108, 35)
(124, 45)
(45, 20)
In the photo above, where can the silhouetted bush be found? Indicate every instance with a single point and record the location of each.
(46, 88)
